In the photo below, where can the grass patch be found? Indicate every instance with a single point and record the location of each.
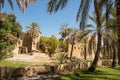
(8, 63)
(103, 73)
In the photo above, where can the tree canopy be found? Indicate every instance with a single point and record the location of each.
(10, 30)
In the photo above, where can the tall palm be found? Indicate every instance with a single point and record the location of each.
(85, 42)
(113, 34)
(33, 30)
(55, 5)
(98, 5)
(72, 38)
(64, 31)
(93, 33)
(118, 26)
(21, 3)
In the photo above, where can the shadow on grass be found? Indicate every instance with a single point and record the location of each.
(117, 68)
(102, 74)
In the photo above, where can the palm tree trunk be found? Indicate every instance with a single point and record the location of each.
(72, 48)
(114, 57)
(118, 27)
(94, 64)
(85, 53)
(95, 61)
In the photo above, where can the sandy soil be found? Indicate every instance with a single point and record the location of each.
(36, 57)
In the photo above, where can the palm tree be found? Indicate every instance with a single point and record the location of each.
(33, 30)
(85, 42)
(113, 35)
(72, 37)
(107, 36)
(20, 4)
(98, 5)
(118, 26)
(55, 5)
(64, 31)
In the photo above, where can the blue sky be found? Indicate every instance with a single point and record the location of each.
(49, 24)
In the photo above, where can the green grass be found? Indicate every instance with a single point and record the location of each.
(8, 63)
(103, 73)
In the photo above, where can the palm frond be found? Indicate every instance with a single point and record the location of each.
(60, 4)
(51, 5)
(55, 5)
(20, 3)
(81, 7)
(89, 27)
(2, 4)
(102, 19)
(83, 34)
(11, 4)
(102, 3)
(82, 15)
(92, 18)
(113, 37)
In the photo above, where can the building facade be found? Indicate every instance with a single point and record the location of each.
(26, 44)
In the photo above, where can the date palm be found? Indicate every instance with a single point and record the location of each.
(107, 34)
(33, 30)
(73, 38)
(55, 5)
(64, 31)
(85, 43)
(111, 27)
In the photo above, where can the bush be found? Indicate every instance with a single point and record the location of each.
(10, 30)
(49, 43)
(61, 57)
(63, 45)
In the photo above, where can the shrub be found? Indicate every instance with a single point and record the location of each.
(51, 43)
(61, 57)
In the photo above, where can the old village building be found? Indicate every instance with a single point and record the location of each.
(26, 44)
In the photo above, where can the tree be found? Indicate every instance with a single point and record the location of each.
(118, 26)
(20, 4)
(33, 30)
(112, 34)
(53, 43)
(107, 36)
(72, 38)
(54, 6)
(49, 43)
(85, 42)
(44, 43)
(63, 45)
(63, 31)
(10, 30)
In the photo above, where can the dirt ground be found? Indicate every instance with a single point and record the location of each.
(35, 57)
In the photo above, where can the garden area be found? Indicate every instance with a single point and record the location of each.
(56, 45)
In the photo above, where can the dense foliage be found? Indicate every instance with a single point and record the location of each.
(63, 45)
(50, 44)
(10, 30)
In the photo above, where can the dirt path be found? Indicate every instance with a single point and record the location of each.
(36, 57)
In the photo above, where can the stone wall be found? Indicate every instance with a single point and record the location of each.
(6, 72)
(10, 72)
(78, 51)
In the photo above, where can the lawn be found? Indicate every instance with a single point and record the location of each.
(8, 63)
(104, 73)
